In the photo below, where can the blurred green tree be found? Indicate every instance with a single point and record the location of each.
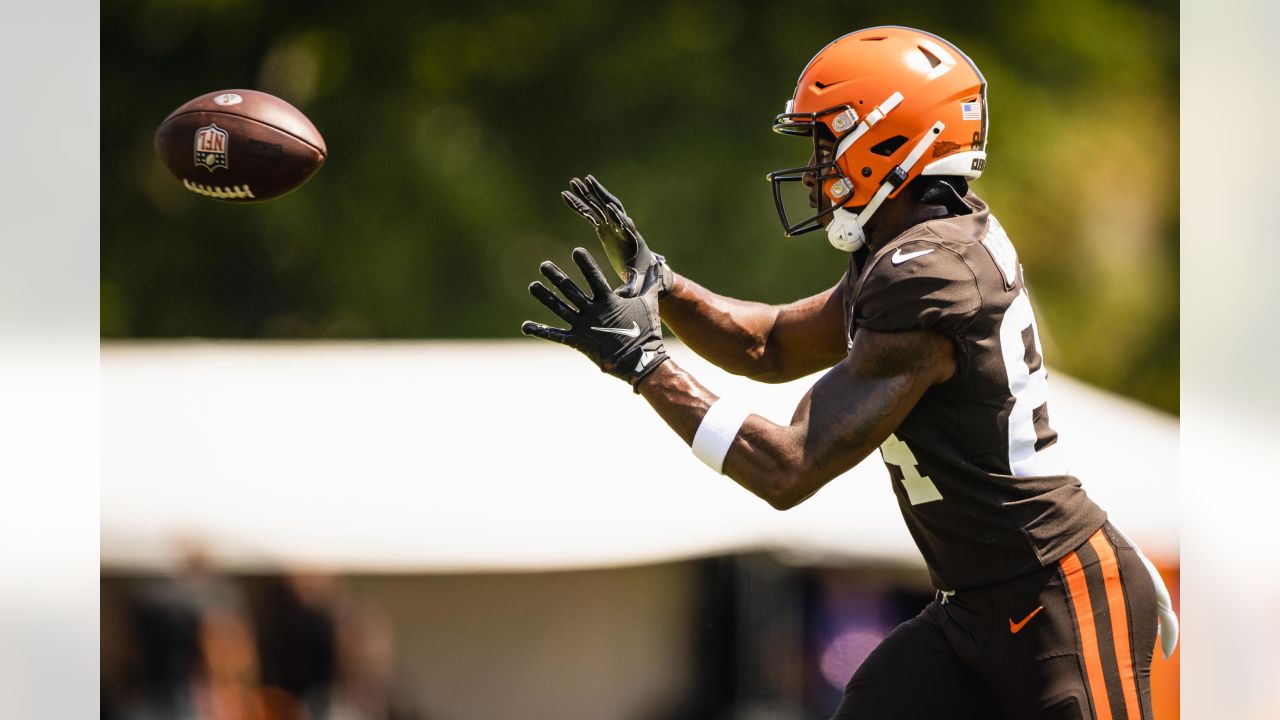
(453, 126)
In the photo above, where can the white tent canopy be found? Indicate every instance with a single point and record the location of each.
(499, 455)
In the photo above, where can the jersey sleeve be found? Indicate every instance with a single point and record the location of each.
(919, 286)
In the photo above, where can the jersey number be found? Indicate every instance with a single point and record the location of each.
(920, 489)
(1031, 440)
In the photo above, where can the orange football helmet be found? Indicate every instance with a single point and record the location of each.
(883, 106)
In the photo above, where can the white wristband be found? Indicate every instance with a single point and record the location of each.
(716, 433)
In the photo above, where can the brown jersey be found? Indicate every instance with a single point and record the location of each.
(975, 464)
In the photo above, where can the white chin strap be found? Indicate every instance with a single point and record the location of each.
(845, 229)
(845, 232)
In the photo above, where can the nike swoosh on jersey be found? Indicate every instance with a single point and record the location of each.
(633, 331)
(1014, 627)
(899, 257)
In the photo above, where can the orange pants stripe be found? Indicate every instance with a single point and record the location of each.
(1119, 622)
(1074, 573)
(1098, 590)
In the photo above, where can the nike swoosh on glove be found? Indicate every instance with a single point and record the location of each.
(622, 335)
(639, 267)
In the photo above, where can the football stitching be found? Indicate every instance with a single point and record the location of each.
(235, 192)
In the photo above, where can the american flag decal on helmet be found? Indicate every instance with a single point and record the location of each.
(971, 110)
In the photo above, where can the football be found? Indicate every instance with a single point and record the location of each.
(240, 146)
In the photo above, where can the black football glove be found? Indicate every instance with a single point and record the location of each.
(622, 335)
(638, 266)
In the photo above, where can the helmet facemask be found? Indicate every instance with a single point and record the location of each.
(899, 103)
(842, 126)
(823, 177)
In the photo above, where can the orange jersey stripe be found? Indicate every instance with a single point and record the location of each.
(1074, 573)
(1119, 622)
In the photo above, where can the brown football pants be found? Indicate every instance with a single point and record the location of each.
(1072, 641)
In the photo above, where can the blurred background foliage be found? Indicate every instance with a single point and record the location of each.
(453, 126)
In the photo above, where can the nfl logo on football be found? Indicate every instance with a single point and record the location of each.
(211, 147)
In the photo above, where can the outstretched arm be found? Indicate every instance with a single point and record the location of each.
(848, 413)
(769, 343)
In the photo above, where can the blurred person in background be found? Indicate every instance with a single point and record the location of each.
(1043, 608)
(179, 647)
(323, 649)
(365, 661)
(296, 639)
(293, 646)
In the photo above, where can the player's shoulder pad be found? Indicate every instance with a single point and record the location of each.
(918, 282)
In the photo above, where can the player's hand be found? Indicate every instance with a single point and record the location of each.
(622, 335)
(638, 266)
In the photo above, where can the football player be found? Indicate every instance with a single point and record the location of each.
(1043, 608)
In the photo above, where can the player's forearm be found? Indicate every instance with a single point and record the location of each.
(733, 334)
(843, 418)
(766, 459)
(769, 343)
(678, 398)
